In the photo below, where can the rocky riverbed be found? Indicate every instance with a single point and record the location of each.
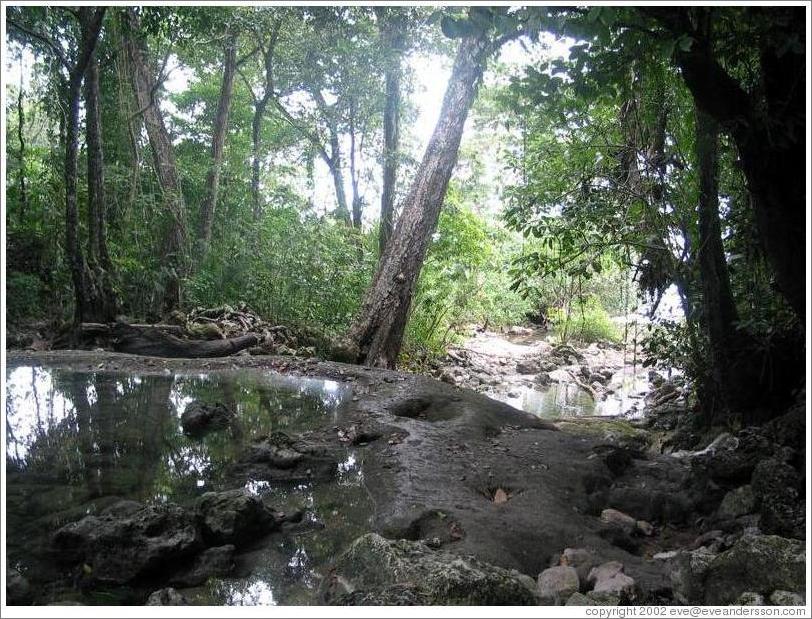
(321, 482)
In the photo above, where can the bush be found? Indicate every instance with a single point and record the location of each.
(24, 296)
(585, 321)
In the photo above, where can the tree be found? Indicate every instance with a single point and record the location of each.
(376, 334)
(145, 87)
(391, 25)
(218, 139)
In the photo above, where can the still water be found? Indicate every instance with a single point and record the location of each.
(76, 442)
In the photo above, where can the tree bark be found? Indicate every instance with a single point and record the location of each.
(718, 307)
(218, 142)
(21, 139)
(157, 343)
(392, 40)
(91, 22)
(376, 335)
(173, 247)
(357, 201)
(106, 304)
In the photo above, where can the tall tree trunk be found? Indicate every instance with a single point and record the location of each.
(718, 307)
(357, 201)
(173, 246)
(21, 139)
(392, 36)
(218, 142)
(98, 255)
(334, 163)
(376, 334)
(91, 22)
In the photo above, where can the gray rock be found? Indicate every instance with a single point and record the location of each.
(579, 599)
(644, 528)
(543, 379)
(234, 517)
(581, 559)
(167, 597)
(778, 488)
(119, 549)
(737, 503)
(616, 518)
(374, 564)
(212, 562)
(759, 563)
(687, 574)
(603, 598)
(786, 598)
(527, 366)
(604, 571)
(749, 598)
(557, 584)
(620, 584)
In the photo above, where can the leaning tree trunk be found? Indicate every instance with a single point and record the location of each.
(91, 22)
(105, 302)
(218, 143)
(718, 307)
(376, 334)
(392, 40)
(174, 242)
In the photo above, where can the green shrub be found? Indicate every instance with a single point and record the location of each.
(24, 296)
(585, 320)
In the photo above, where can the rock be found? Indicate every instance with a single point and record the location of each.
(733, 460)
(527, 366)
(604, 571)
(447, 377)
(200, 418)
(760, 563)
(579, 599)
(580, 559)
(777, 487)
(18, 590)
(618, 519)
(557, 584)
(617, 459)
(749, 598)
(119, 549)
(664, 393)
(737, 503)
(167, 597)
(217, 561)
(542, 379)
(644, 528)
(233, 517)
(710, 539)
(687, 574)
(279, 457)
(786, 598)
(375, 564)
(547, 365)
(396, 595)
(604, 598)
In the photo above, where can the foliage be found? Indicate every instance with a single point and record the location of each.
(585, 321)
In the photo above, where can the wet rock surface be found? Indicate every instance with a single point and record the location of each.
(450, 474)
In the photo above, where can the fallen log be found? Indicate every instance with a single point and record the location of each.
(157, 343)
(92, 329)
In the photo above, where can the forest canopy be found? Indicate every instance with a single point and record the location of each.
(384, 176)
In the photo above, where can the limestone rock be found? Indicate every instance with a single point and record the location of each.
(616, 518)
(374, 564)
(737, 503)
(557, 584)
(579, 599)
(759, 563)
(687, 574)
(216, 561)
(750, 598)
(786, 598)
(233, 517)
(167, 597)
(777, 486)
(200, 418)
(580, 559)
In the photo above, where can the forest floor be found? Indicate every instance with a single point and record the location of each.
(456, 474)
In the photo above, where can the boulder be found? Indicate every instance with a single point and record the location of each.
(604, 598)
(758, 563)
(737, 503)
(542, 379)
(279, 457)
(786, 598)
(167, 597)
(374, 564)
(557, 584)
(687, 570)
(616, 518)
(749, 598)
(119, 546)
(527, 366)
(604, 571)
(200, 418)
(580, 559)
(777, 487)
(234, 517)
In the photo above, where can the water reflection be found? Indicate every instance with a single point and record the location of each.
(78, 441)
